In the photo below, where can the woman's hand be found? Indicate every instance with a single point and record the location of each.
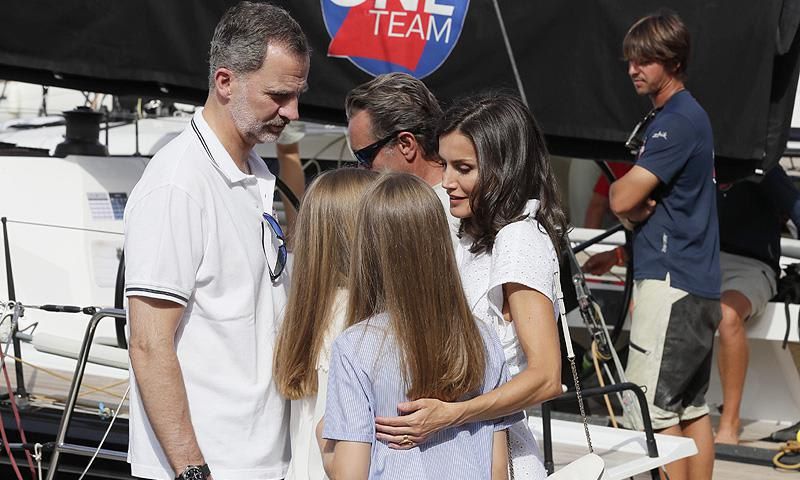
(418, 421)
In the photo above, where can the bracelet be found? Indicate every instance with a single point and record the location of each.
(620, 253)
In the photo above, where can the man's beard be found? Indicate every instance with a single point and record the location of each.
(249, 126)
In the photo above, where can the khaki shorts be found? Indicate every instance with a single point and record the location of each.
(752, 278)
(672, 336)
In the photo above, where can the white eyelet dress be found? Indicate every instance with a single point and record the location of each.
(522, 253)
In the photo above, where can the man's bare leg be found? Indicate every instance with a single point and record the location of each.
(701, 466)
(732, 360)
(678, 470)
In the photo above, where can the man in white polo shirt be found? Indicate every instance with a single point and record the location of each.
(204, 276)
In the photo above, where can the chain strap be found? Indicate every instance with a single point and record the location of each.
(571, 356)
(580, 402)
(510, 460)
(562, 313)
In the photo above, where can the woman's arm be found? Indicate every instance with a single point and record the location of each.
(537, 331)
(500, 455)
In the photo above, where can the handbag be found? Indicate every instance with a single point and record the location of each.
(590, 466)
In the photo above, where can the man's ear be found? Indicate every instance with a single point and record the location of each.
(223, 78)
(408, 146)
(673, 67)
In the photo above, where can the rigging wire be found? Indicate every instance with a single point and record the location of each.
(510, 53)
(65, 227)
(108, 430)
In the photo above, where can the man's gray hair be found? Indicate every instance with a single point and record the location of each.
(245, 31)
(398, 102)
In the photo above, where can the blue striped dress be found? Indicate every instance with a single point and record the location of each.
(365, 381)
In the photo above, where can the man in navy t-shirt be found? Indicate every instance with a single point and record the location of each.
(668, 199)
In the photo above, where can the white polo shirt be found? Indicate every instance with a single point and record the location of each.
(193, 235)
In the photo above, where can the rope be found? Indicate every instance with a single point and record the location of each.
(17, 418)
(13, 401)
(37, 455)
(91, 388)
(103, 440)
(791, 447)
(4, 437)
(596, 361)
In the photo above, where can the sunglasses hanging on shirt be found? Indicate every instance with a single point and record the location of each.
(636, 138)
(274, 244)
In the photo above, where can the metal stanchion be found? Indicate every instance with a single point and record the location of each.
(60, 445)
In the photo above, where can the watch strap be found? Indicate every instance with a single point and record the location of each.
(203, 469)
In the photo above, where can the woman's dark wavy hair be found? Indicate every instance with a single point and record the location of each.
(513, 167)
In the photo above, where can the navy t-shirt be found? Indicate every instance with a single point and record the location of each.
(681, 237)
(752, 214)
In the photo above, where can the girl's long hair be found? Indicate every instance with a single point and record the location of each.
(403, 264)
(322, 238)
(513, 167)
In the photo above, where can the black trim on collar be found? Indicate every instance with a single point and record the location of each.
(202, 140)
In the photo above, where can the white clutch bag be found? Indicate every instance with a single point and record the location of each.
(588, 467)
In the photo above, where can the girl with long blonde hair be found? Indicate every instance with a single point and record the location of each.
(315, 312)
(411, 336)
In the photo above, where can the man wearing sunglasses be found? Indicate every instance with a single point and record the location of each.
(205, 259)
(392, 121)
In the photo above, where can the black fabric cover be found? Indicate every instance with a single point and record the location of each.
(743, 68)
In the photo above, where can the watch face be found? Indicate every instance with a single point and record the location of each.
(193, 473)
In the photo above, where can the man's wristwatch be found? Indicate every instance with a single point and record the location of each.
(194, 472)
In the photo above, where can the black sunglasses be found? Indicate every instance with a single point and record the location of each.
(635, 139)
(280, 264)
(366, 155)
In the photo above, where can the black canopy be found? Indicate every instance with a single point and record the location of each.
(743, 67)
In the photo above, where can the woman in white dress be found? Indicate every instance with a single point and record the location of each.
(501, 185)
(315, 312)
